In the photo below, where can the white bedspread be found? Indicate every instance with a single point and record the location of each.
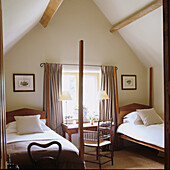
(50, 134)
(153, 134)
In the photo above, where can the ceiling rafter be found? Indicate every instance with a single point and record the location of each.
(52, 7)
(144, 11)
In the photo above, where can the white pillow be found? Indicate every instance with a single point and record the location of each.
(11, 127)
(43, 120)
(149, 116)
(43, 126)
(28, 124)
(133, 118)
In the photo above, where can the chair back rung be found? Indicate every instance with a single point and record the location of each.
(98, 139)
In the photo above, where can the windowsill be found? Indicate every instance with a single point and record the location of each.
(71, 121)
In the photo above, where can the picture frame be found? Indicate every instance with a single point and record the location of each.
(23, 82)
(129, 82)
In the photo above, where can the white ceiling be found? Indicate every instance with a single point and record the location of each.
(144, 36)
(117, 10)
(19, 17)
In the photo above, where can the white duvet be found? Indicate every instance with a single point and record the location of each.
(48, 134)
(153, 134)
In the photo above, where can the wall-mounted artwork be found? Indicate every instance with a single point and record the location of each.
(24, 82)
(128, 82)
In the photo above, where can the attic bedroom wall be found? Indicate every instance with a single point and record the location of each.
(75, 20)
(145, 37)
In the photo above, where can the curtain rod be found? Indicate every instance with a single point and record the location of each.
(42, 64)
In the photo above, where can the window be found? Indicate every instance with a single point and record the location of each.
(70, 82)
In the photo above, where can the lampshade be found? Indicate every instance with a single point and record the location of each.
(102, 95)
(65, 96)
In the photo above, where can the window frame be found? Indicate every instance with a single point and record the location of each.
(85, 120)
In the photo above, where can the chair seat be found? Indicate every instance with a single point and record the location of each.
(94, 143)
(103, 135)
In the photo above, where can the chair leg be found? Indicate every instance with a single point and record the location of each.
(97, 154)
(112, 154)
(99, 157)
(112, 157)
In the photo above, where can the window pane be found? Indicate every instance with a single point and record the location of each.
(90, 92)
(69, 84)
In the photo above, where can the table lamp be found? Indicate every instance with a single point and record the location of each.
(102, 95)
(65, 96)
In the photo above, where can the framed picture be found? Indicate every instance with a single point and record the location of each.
(24, 82)
(128, 82)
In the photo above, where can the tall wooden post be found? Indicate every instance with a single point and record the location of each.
(116, 93)
(81, 99)
(2, 100)
(150, 87)
(47, 95)
(166, 19)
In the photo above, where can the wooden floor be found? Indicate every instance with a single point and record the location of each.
(132, 157)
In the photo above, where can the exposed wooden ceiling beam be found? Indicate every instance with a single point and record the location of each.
(52, 7)
(149, 8)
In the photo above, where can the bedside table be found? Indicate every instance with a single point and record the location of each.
(73, 128)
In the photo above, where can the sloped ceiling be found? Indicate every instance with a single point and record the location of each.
(19, 17)
(145, 35)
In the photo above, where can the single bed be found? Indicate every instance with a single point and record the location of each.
(151, 136)
(17, 144)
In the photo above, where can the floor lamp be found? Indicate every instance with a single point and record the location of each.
(102, 95)
(65, 96)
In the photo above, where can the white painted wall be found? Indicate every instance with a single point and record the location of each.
(144, 36)
(158, 89)
(59, 43)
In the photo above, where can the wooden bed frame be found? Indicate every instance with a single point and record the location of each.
(22, 158)
(23, 112)
(124, 110)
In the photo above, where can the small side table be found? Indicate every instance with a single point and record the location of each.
(73, 128)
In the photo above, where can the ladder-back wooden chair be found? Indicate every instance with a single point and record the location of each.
(44, 162)
(98, 139)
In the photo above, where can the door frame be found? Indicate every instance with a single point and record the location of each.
(3, 164)
(166, 32)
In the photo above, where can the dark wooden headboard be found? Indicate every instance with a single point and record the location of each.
(124, 110)
(23, 112)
